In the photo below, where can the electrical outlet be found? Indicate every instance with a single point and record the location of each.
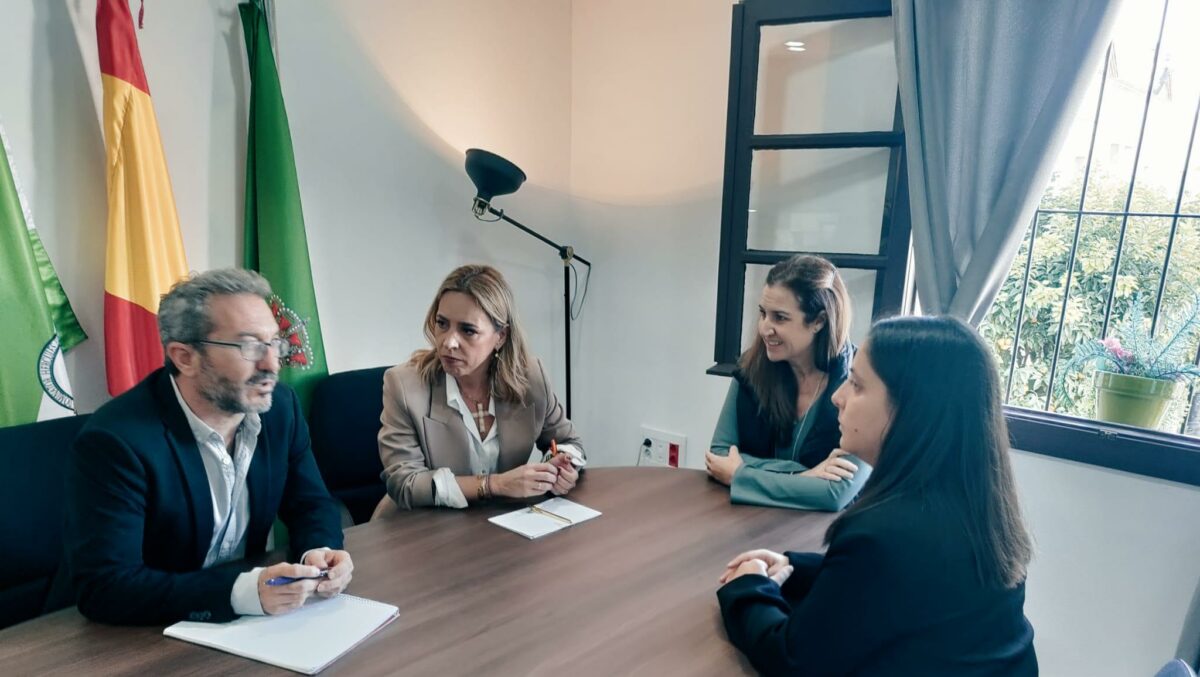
(662, 448)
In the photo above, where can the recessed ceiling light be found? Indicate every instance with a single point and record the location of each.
(793, 43)
(795, 49)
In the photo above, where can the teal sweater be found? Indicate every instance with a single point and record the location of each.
(776, 482)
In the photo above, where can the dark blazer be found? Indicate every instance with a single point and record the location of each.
(757, 437)
(896, 594)
(139, 508)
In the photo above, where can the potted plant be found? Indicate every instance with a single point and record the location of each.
(1136, 372)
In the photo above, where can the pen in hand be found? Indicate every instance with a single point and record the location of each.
(284, 580)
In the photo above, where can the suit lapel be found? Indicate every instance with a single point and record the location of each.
(445, 433)
(187, 454)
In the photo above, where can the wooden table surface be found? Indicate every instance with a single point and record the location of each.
(630, 592)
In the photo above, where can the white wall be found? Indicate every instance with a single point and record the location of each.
(649, 83)
(1116, 570)
(383, 98)
(616, 111)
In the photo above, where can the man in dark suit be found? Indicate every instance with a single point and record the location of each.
(175, 483)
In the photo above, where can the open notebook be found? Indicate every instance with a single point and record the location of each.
(306, 640)
(545, 517)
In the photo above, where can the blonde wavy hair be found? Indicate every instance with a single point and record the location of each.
(508, 371)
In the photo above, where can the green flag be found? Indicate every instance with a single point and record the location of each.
(39, 324)
(275, 242)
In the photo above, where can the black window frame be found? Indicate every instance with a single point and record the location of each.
(890, 262)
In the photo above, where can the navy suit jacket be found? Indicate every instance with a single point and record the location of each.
(140, 516)
(896, 594)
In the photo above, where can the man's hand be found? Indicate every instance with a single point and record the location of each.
(280, 599)
(340, 569)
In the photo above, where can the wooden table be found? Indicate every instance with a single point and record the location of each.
(631, 592)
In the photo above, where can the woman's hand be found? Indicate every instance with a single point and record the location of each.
(835, 468)
(531, 479)
(759, 567)
(567, 474)
(773, 565)
(722, 468)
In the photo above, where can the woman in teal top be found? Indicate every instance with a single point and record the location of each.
(776, 439)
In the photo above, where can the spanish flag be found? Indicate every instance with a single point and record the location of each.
(145, 253)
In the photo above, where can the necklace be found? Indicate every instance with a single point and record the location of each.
(479, 412)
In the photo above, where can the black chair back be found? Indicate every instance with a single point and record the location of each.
(33, 459)
(344, 423)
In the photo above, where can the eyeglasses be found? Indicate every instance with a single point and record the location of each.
(255, 350)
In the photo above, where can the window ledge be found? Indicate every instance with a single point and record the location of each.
(1149, 453)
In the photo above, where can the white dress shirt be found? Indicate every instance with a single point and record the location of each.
(485, 451)
(230, 499)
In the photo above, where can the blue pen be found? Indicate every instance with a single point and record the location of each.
(284, 580)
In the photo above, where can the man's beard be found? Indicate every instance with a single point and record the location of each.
(226, 395)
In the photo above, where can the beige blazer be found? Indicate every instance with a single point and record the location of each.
(421, 433)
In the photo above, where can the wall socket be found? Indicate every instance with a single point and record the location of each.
(661, 448)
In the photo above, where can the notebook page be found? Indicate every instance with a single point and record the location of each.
(305, 640)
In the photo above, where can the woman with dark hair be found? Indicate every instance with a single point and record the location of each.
(776, 438)
(925, 573)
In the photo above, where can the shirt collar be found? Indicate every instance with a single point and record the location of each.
(251, 423)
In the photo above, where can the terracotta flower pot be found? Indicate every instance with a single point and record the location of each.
(1132, 400)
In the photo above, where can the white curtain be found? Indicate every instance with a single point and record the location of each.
(988, 89)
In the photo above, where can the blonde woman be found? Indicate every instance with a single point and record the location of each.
(461, 419)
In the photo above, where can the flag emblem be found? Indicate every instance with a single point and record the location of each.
(50, 369)
(295, 330)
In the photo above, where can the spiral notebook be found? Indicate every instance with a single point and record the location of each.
(545, 517)
(306, 640)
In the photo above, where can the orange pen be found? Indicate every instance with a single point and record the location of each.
(553, 448)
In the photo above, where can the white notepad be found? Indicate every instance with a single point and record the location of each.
(531, 523)
(306, 640)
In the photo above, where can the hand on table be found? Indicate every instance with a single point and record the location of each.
(340, 567)
(722, 468)
(763, 562)
(280, 599)
(531, 479)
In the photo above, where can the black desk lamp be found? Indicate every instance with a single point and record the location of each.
(492, 176)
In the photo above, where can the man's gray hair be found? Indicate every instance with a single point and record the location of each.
(183, 312)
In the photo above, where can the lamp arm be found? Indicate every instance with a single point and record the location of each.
(567, 253)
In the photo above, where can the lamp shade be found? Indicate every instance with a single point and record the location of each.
(492, 174)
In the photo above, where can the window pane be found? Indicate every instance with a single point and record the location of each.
(828, 76)
(859, 283)
(1183, 282)
(1129, 71)
(1043, 307)
(1191, 192)
(1091, 280)
(1174, 93)
(827, 200)
(1066, 179)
